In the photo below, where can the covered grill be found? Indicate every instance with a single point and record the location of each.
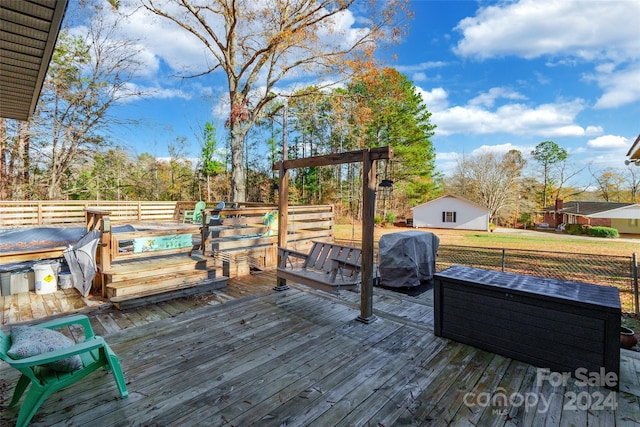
(407, 259)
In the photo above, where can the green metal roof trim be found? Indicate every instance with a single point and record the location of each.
(28, 33)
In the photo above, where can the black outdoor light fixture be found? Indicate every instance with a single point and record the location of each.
(385, 183)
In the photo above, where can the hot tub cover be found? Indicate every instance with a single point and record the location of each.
(407, 259)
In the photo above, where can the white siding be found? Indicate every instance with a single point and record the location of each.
(468, 216)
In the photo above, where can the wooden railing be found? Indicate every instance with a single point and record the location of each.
(243, 240)
(15, 214)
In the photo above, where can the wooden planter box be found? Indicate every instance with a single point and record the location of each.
(554, 324)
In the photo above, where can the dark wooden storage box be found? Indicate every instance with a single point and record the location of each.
(548, 323)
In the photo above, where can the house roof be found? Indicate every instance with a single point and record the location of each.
(28, 33)
(462, 199)
(634, 151)
(587, 208)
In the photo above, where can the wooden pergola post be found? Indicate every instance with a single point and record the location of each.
(283, 218)
(368, 213)
(283, 200)
(367, 157)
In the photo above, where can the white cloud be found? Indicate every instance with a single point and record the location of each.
(447, 162)
(131, 92)
(435, 100)
(488, 99)
(501, 148)
(533, 28)
(568, 32)
(423, 66)
(621, 87)
(480, 117)
(164, 40)
(607, 142)
(419, 77)
(185, 54)
(594, 130)
(546, 120)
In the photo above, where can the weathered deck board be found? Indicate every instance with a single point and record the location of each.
(249, 355)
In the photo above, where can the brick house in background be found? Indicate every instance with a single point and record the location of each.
(625, 217)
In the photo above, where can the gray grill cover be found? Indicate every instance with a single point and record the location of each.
(407, 258)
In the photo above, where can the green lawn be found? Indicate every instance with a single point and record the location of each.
(530, 240)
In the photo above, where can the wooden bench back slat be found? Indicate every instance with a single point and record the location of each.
(318, 256)
(327, 266)
(335, 253)
(322, 256)
(314, 253)
(323, 259)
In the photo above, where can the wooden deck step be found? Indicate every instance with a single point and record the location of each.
(166, 280)
(168, 292)
(136, 282)
(130, 270)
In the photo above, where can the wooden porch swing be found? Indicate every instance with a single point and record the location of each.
(365, 257)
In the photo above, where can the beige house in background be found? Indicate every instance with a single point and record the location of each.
(624, 217)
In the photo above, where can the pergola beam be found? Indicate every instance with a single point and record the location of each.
(379, 153)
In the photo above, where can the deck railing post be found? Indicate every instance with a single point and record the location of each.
(40, 216)
(635, 283)
(503, 256)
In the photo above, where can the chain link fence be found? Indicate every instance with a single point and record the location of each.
(607, 270)
(618, 271)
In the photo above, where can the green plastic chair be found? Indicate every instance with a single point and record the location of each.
(194, 215)
(94, 352)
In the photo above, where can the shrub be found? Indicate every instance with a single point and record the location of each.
(600, 231)
(390, 218)
(574, 229)
(377, 220)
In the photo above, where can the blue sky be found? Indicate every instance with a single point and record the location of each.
(497, 75)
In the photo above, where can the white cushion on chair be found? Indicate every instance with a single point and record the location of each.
(28, 341)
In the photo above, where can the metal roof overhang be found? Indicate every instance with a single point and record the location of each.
(634, 151)
(28, 33)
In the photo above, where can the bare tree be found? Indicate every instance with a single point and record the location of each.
(489, 179)
(259, 43)
(88, 74)
(609, 184)
(4, 152)
(633, 179)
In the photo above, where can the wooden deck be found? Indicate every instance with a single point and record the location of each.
(247, 355)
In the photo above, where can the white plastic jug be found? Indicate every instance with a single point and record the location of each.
(46, 277)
